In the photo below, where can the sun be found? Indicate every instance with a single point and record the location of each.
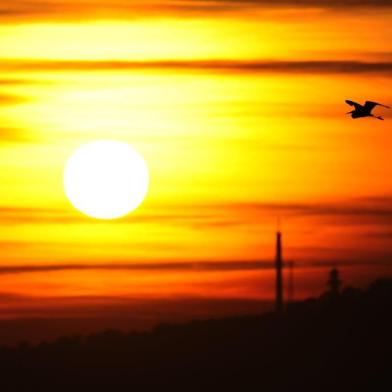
(106, 179)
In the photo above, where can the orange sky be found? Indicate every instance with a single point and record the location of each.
(238, 109)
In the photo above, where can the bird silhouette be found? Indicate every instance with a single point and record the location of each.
(364, 110)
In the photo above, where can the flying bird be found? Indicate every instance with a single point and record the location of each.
(364, 110)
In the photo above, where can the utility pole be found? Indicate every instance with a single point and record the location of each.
(278, 268)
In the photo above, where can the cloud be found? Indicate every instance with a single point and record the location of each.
(214, 66)
(14, 135)
(304, 3)
(202, 266)
(11, 99)
(376, 207)
(147, 266)
(386, 235)
(13, 82)
(4, 296)
(368, 210)
(121, 9)
(371, 211)
(367, 218)
(25, 215)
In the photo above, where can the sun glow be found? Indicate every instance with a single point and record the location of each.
(106, 179)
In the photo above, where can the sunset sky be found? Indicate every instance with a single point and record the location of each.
(238, 109)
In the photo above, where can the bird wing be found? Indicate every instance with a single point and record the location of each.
(355, 104)
(370, 105)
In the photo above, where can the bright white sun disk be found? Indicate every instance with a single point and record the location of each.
(106, 179)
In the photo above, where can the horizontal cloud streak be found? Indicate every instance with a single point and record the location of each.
(14, 135)
(14, 82)
(231, 66)
(186, 266)
(10, 99)
(377, 207)
(203, 266)
(95, 9)
(377, 210)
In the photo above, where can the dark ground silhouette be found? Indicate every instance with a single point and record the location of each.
(338, 342)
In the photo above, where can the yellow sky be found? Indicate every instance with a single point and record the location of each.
(239, 112)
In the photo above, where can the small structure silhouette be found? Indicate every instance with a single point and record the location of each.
(279, 279)
(334, 282)
(364, 110)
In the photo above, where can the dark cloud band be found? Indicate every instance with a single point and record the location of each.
(95, 9)
(212, 266)
(215, 66)
(376, 210)
(178, 266)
